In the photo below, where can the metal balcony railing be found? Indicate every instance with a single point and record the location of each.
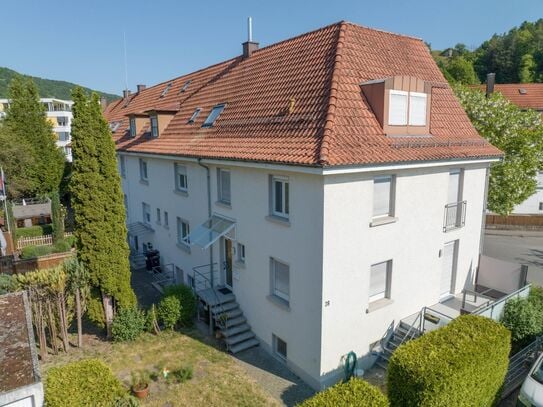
(454, 216)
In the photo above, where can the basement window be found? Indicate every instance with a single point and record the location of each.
(185, 86)
(195, 115)
(279, 347)
(215, 113)
(166, 89)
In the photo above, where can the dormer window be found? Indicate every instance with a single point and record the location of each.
(417, 108)
(166, 89)
(185, 86)
(215, 113)
(397, 108)
(195, 115)
(132, 126)
(154, 126)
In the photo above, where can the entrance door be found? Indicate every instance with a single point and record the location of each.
(448, 268)
(228, 280)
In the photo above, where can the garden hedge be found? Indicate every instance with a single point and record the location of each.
(87, 382)
(462, 364)
(34, 231)
(356, 392)
(188, 302)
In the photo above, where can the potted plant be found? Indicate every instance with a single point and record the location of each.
(140, 384)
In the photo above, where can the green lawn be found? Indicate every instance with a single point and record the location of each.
(217, 379)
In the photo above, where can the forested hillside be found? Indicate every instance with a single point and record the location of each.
(515, 57)
(47, 88)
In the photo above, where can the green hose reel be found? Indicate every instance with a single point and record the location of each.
(350, 365)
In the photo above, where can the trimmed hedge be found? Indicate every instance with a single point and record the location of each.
(30, 252)
(128, 324)
(87, 382)
(34, 231)
(356, 392)
(461, 364)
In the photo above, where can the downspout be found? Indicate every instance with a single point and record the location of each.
(208, 175)
(483, 222)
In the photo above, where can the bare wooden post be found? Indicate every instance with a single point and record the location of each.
(107, 301)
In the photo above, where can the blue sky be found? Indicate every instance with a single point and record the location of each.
(82, 40)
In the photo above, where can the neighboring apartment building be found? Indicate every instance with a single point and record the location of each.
(59, 113)
(333, 179)
(525, 96)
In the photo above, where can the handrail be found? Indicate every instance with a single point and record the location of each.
(412, 326)
(438, 312)
(484, 307)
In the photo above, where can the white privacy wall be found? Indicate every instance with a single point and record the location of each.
(413, 243)
(299, 245)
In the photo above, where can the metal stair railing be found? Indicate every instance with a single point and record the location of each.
(412, 327)
(200, 278)
(519, 365)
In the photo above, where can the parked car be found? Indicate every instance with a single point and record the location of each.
(531, 392)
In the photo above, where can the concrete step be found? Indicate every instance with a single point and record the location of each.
(229, 315)
(228, 306)
(244, 345)
(235, 330)
(236, 321)
(242, 337)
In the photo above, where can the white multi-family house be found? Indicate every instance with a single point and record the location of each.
(313, 192)
(59, 114)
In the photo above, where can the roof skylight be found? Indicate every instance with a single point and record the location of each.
(215, 113)
(185, 86)
(522, 91)
(113, 126)
(166, 89)
(195, 115)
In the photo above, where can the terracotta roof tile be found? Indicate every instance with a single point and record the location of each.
(525, 95)
(330, 123)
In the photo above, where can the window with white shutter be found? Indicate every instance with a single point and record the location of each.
(417, 109)
(397, 108)
(382, 196)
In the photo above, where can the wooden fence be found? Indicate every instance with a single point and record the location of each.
(534, 222)
(45, 240)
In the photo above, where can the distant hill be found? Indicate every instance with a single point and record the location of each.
(48, 88)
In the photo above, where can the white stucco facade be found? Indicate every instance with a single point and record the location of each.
(328, 244)
(534, 204)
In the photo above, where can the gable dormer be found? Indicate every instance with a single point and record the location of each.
(159, 119)
(136, 123)
(401, 104)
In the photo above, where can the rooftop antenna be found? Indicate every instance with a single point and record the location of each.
(250, 29)
(125, 63)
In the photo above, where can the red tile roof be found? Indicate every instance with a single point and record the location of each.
(330, 122)
(530, 98)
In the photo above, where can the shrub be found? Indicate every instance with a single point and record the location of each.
(524, 318)
(128, 324)
(180, 375)
(7, 284)
(61, 246)
(188, 302)
(461, 364)
(356, 392)
(169, 311)
(34, 231)
(83, 383)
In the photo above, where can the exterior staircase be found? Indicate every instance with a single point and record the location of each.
(137, 261)
(229, 319)
(403, 333)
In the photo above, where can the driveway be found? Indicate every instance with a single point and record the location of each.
(524, 247)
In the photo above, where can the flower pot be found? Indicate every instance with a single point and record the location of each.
(141, 393)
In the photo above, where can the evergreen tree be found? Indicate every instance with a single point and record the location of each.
(527, 69)
(97, 201)
(57, 212)
(519, 134)
(27, 125)
(17, 163)
(462, 71)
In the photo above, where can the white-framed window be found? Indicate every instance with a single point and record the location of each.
(380, 276)
(455, 186)
(158, 217)
(417, 108)
(280, 280)
(132, 127)
(241, 252)
(223, 186)
(144, 176)
(279, 347)
(183, 231)
(166, 220)
(383, 196)
(146, 212)
(280, 196)
(397, 108)
(181, 180)
(154, 126)
(122, 165)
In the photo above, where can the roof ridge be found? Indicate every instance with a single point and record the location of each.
(413, 37)
(332, 97)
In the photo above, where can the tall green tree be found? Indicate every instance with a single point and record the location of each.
(519, 134)
(97, 201)
(27, 127)
(462, 71)
(16, 162)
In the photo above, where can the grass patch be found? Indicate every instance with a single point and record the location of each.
(216, 379)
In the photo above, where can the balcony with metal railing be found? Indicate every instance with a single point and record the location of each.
(454, 216)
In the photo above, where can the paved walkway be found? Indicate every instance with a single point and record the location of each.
(274, 376)
(141, 282)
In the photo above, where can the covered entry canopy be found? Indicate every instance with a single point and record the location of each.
(210, 231)
(139, 229)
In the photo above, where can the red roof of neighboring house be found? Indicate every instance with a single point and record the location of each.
(524, 95)
(330, 122)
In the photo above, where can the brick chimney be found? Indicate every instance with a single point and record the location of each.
(126, 94)
(141, 87)
(490, 80)
(250, 46)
